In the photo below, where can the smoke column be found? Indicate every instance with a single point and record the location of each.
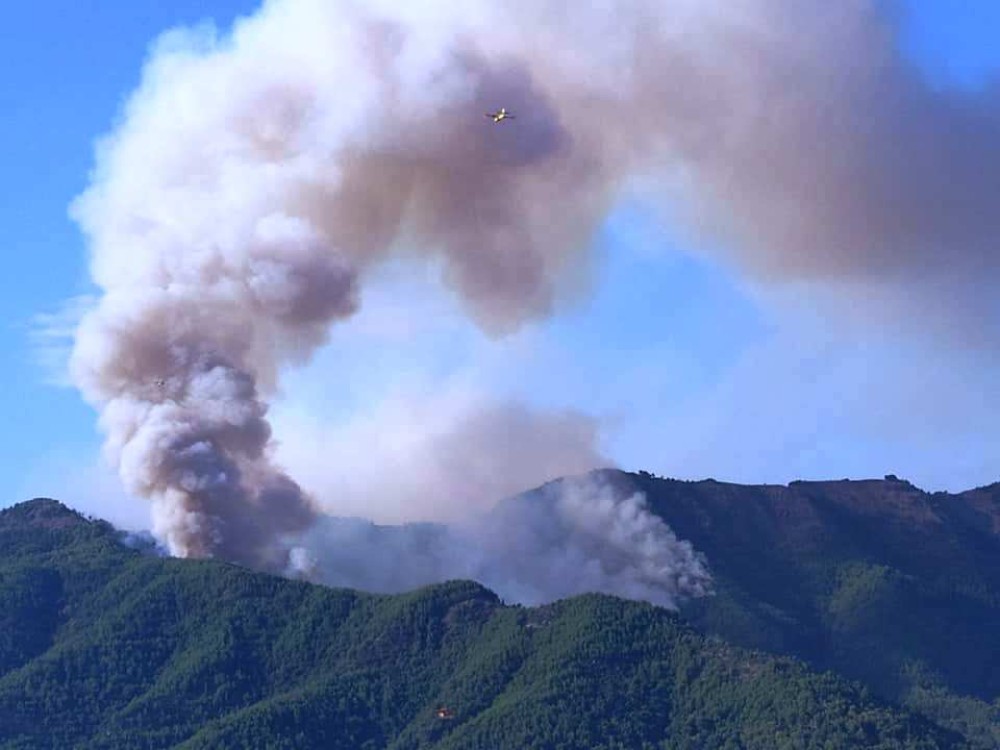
(256, 178)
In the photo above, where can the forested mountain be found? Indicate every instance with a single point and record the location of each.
(875, 579)
(104, 647)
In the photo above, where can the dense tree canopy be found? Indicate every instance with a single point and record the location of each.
(102, 646)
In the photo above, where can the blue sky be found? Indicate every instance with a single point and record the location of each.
(954, 43)
(60, 88)
(671, 350)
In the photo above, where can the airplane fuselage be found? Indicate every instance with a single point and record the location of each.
(502, 114)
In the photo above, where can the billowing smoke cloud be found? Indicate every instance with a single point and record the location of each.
(570, 537)
(255, 180)
(435, 456)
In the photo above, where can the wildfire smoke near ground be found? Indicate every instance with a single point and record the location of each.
(258, 178)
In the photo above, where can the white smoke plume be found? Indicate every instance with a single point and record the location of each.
(143, 541)
(256, 178)
(570, 537)
(434, 456)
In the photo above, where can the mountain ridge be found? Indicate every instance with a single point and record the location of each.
(874, 579)
(143, 652)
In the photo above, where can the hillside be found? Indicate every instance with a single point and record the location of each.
(877, 580)
(104, 647)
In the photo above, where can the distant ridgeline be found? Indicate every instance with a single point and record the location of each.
(875, 579)
(102, 646)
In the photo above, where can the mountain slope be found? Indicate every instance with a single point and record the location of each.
(877, 580)
(139, 652)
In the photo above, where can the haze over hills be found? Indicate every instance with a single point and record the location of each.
(874, 579)
(102, 646)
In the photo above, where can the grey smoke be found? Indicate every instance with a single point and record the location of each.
(436, 456)
(144, 541)
(256, 179)
(574, 536)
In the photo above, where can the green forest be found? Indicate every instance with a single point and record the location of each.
(102, 646)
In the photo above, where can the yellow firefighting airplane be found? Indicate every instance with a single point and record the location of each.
(500, 115)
